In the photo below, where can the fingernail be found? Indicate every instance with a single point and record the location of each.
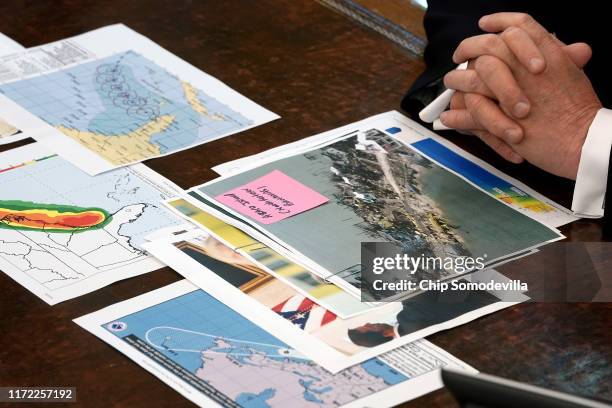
(443, 117)
(516, 158)
(483, 19)
(536, 64)
(513, 135)
(521, 109)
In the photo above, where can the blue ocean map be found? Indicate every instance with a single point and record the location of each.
(125, 107)
(237, 363)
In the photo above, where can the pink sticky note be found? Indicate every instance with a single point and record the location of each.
(272, 198)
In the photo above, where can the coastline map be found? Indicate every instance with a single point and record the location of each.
(237, 364)
(125, 108)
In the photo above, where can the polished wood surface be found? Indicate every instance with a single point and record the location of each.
(318, 70)
(402, 12)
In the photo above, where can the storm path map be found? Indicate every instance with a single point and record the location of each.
(210, 353)
(64, 233)
(125, 108)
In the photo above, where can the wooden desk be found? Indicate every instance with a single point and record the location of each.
(318, 70)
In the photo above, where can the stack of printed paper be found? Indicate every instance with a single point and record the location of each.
(380, 180)
(97, 102)
(303, 319)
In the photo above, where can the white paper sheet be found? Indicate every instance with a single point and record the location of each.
(58, 266)
(170, 332)
(156, 100)
(20, 63)
(329, 345)
(8, 133)
(8, 45)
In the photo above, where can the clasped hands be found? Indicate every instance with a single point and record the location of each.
(524, 93)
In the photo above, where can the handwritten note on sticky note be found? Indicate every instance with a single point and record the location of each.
(272, 198)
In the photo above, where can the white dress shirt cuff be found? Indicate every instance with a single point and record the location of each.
(590, 189)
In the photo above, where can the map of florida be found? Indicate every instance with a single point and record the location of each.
(27, 215)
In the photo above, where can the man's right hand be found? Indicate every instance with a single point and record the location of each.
(560, 100)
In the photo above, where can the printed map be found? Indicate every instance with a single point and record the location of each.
(60, 226)
(236, 363)
(125, 108)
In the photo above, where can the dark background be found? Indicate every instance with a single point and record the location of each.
(318, 70)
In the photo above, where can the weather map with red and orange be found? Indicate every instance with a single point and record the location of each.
(64, 233)
(29, 216)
